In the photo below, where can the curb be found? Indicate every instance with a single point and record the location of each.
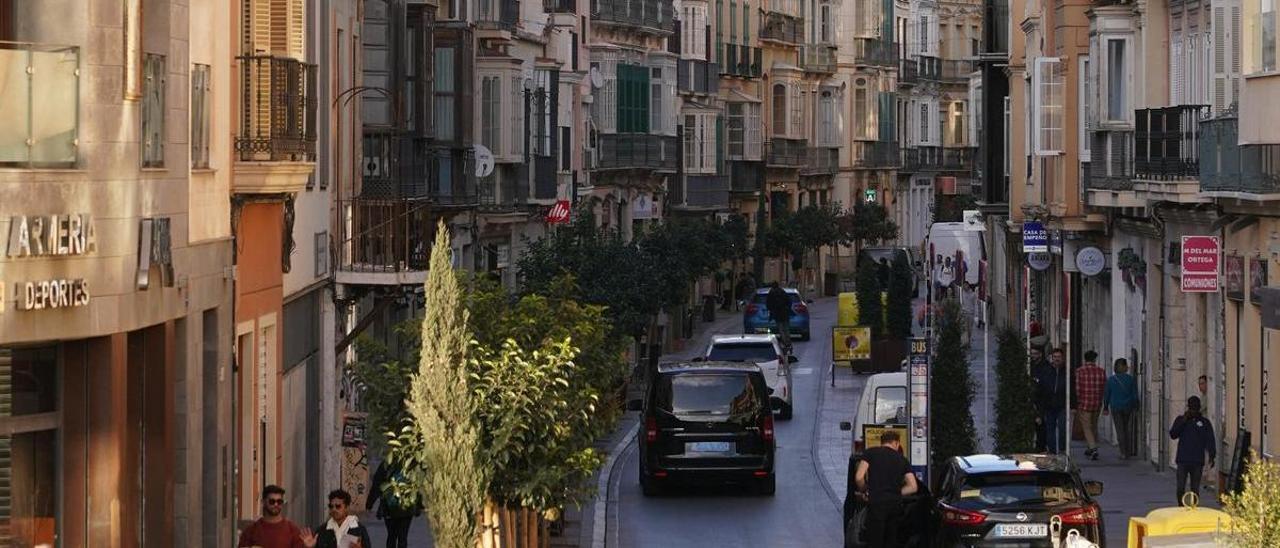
(602, 488)
(813, 446)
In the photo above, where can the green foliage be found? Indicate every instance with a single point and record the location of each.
(385, 375)
(949, 208)
(440, 449)
(1015, 427)
(870, 309)
(1255, 511)
(901, 290)
(865, 223)
(951, 387)
(678, 252)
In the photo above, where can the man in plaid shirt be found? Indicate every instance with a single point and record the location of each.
(1089, 383)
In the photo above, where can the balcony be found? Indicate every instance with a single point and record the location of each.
(819, 58)
(746, 176)
(958, 70)
(653, 16)
(821, 161)
(742, 61)
(786, 153)
(501, 15)
(637, 151)
(697, 76)
(1167, 142)
(407, 167)
(909, 72)
(384, 242)
(705, 192)
(276, 145)
(875, 154)
(560, 6)
(40, 105)
(873, 52)
(1229, 170)
(1111, 161)
(780, 27)
(929, 158)
(929, 68)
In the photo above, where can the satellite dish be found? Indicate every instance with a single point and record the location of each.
(597, 81)
(484, 161)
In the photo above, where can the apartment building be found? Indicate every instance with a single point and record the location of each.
(115, 285)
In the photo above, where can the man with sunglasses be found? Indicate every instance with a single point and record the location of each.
(272, 530)
(342, 530)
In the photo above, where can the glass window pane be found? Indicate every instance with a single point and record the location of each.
(55, 91)
(1268, 40)
(1115, 80)
(15, 105)
(28, 381)
(31, 487)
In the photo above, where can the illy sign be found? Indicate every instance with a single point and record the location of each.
(1200, 263)
(559, 213)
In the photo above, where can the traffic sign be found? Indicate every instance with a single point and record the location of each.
(1035, 239)
(1200, 264)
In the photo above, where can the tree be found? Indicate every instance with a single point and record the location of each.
(1255, 511)
(951, 387)
(865, 222)
(949, 208)
(384, 376)
(446, 468)
(1015, 427)
(870, 309)
(898, 319)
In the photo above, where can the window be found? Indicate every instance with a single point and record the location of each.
(540, 107)
(1085, 124)
(655, 100)
(924, 122)
(746, 22)
(779, 110)
(444, 102)
(824, 24)
(1226, 57)
(733, 22)
(862, 118)
(1116, 79)
(891, 405)
(693, 35)
(1047, 119)
(828, 123)
(322, 254)
(566, 151)
(490, 110)
(153, 111)
(736, 130)
(29, 476)
(516, 136)
(700, 143)
(924, 34)
(1268, 35)
(1008, 145)
(957, 129)
(200, 83)
(797, 112)
(633, 99)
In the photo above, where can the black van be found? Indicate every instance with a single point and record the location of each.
(706, 422)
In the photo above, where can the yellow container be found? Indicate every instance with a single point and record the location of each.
(1186, 520)
(847, 309)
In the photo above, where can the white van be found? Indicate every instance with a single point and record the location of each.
(883, 401)
(952, 253)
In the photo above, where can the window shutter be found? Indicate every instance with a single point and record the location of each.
(1175, 75)
(1234, 37)
(257, 25)
(1220, 61)
(755, 135)
(796, 120)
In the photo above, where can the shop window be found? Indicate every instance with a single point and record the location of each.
(29, 417)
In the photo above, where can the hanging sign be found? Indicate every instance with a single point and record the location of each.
(1200, 264)
(1035, 239)
(1090, 261)
(559, 213)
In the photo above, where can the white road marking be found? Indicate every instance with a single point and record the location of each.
(802, 371)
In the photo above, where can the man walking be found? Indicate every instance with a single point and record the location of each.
(394, 512)
(779, 305)
(883, 478)
(1120, 400)
(342, 530)
(1195, 438)
(272, 530)
(1090, 382)
(1051, 401)
(1037, 364)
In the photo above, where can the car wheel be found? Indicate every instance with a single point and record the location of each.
(768, 486)
(784, 412)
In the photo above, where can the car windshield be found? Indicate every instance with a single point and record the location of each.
(891, 405)
(760, 297)
(743, 352)
(1019, 488)
(703, 396)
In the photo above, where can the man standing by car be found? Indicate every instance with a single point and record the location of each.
(1195, 438)
(1051, 401)
(883, 478)
(779, 305)
(1090, 381)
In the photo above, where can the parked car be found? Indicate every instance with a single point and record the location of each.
(883, 401)
(756, 317)
(706, 422)
(764, 351)
(1003, 500)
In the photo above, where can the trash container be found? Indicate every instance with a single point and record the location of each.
(708, 308)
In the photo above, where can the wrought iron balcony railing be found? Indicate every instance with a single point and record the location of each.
(929, 158)
(744, 61)
(818, 58)
(1167, 142)
(402, 166)
(498, 14)
(384, 236)
(746, 176)
(821, 161)
(875, 154)
(637, 151)
(874, 52)
(909, 71)
(652, 15)
(782, 152)
(40, 105)
(697, 76)
(929, 68)
(1111, 161)
(958, 69)
(1227, 167)
(278, 109)
(780, 27)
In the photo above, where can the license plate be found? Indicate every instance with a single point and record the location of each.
(708, 447)
(762, 330)
(1021, 530)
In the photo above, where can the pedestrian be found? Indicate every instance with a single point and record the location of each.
(1051, 400)
(1120, 400)
(1195, 439)
(343, 529)
(746, 286)
(1203, 384)
(1090, 382)
(779, 304)
(272, 530)
(1037, 362)
(394, 512)
(883, 477)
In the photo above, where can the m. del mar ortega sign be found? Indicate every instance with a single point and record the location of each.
(1201, 263)
(59, 235)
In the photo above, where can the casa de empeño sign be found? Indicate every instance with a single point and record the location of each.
(51, 235)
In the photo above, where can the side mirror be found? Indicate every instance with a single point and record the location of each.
(697, 359)
(792, 359)
(635, 405)
(1094, 488)
(846, 426)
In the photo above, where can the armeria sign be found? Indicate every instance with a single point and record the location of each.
(1201, 261)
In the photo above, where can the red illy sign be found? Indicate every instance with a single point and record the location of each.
(1201, 262)
(559, 213)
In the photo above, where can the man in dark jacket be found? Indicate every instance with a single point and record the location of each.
(1037, 363)
(1051, 401)
(394, 513)
(779, 305)
(342, 530)
(1195, 438)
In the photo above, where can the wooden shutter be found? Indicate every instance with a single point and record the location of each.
(796, 116)
(257, 26)
(1226, 55)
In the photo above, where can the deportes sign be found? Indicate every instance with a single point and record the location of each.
(1201, 260)
(559, 213)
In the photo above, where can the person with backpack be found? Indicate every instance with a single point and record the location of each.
(395, 514)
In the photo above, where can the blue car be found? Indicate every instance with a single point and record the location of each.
(756, 317)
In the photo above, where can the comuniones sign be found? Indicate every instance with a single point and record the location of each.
(49, 236)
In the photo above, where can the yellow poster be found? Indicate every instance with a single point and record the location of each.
(850, 343)
(871, 435)
(847, 309)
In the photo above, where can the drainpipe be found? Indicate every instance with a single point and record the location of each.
(1161, 447)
